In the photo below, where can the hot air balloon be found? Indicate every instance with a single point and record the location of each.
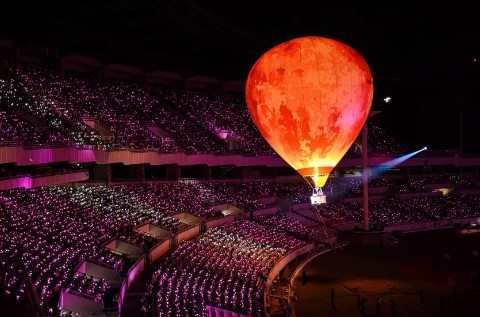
(309, 97)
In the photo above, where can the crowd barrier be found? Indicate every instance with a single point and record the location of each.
(137, 268)
(265, 212)
(73, 155)
(188, 234)
(431, 225)
(43, 180)
(219, 221)
(121, 296)
(159, 250)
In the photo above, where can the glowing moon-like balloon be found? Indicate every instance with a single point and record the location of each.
(309, 98)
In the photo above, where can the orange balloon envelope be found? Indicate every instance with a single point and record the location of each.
(309, 98)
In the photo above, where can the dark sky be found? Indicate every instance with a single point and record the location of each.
(420, 55)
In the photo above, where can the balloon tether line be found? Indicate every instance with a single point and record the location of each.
(320, 218)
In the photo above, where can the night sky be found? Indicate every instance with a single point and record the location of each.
(422, 56)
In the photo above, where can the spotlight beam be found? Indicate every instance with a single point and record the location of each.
(382, 168)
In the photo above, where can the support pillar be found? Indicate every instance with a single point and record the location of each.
(173, 172)
(206, 172)
(240, 173)
(102, 172)
(137, 172)
(365, 176)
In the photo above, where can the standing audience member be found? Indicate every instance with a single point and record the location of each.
(332, 297)
(421, 297)
(362, 303)
(378, 306)
(393, 307)
(295, 296)
(287, 309)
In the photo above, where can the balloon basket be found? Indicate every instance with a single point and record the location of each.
(318, 197)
